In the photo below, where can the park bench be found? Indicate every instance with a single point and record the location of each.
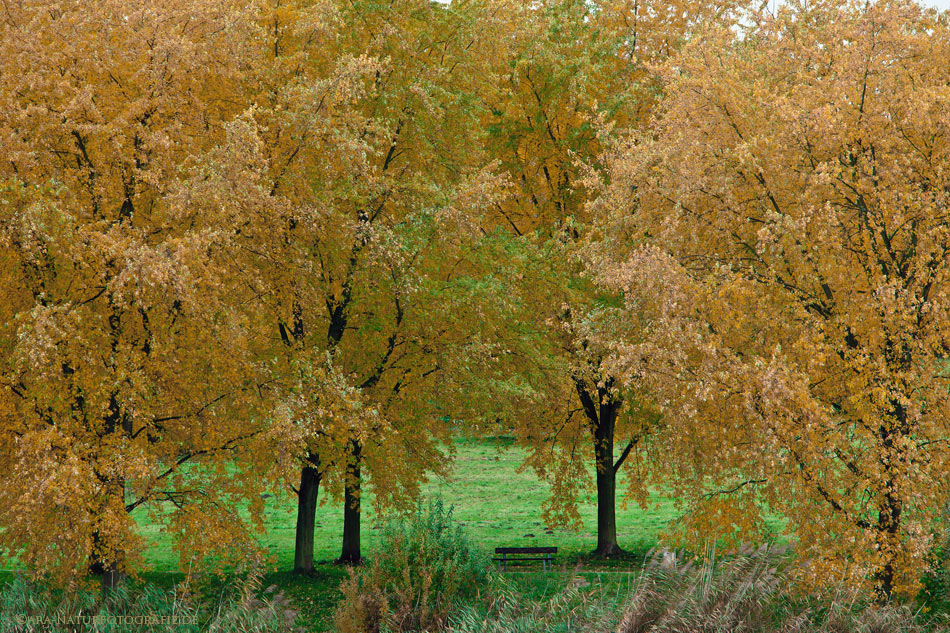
(519, 554)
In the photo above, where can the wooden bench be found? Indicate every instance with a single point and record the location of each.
(518, 554)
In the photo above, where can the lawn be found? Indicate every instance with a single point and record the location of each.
(496, 504)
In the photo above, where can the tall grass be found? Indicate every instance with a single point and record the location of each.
(742, 594)
(29, 607)
(424, 569)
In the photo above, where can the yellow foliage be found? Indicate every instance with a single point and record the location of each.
(790, 255)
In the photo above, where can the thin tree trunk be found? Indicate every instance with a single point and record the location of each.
(350, 554)
(306, 514)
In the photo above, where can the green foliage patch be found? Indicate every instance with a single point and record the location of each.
(424, 570)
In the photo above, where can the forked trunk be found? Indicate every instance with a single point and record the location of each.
(607, 545)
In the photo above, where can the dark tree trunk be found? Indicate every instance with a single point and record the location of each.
(602, 420)
(606, 514)
(350, 554)
(111, 578)
(108, 572)
(891, 505)
(888, 523)
(306, 514)
(607, 544)
(105, 563)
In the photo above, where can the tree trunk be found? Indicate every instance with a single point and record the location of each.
(111, 578)
(350, 555)
(306, 514)
(607, 545)
(888, 525)
(891, 506)
(606, 513)
(106, 562)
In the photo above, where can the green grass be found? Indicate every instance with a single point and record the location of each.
(496, 505)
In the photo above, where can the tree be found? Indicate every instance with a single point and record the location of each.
(569, 74)
(791, 207)
(366, 126)
(126, 379)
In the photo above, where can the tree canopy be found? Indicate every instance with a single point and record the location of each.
(788, 211)
(276, 245)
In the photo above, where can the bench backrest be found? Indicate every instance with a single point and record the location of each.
(526, 550)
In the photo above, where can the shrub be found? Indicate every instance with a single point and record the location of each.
(424, 569)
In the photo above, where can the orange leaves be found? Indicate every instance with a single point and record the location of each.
(807, 228)
(238, 233)
(118, 350)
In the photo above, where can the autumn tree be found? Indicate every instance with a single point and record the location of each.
(790, 207)
(126, 380)
(366, 127)
(568, 74)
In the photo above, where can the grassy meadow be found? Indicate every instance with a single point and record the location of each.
(496, 502)
(497, 505)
